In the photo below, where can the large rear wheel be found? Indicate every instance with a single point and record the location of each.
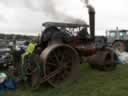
(60, 62)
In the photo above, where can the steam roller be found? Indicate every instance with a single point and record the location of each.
(58, 62)
(55, 65)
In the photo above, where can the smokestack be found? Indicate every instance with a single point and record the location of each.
(91, 11)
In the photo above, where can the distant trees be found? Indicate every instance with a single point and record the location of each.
(17, 37)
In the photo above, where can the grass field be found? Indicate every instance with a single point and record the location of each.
(91, 83)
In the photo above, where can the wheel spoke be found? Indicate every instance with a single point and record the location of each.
(51, 64)
(57, 59)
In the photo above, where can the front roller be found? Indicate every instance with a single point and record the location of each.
(103, 60)
(60, 62)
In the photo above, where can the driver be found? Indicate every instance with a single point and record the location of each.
(83, 34)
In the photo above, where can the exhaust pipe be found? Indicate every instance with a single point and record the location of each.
(91, 11)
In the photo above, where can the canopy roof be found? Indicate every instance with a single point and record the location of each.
(59, 24)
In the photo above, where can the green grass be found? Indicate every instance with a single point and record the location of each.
(91, 83)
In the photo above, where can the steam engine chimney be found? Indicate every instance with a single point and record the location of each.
(91, 11)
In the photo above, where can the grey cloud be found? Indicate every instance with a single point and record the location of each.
(13, 3)
(28, 4)
(48, 8)
(27, 21)
(37, 5)
(3, 19)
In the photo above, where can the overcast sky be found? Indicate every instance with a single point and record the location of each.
(26, 16)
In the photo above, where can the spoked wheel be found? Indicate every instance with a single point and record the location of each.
(31, 72)
(60, 62)
(35, 72)
(119, 46)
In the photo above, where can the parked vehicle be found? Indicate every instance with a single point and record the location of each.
(5, 54)
(118, 39)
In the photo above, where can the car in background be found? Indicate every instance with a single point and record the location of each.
(118, 39)
(5, 53)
